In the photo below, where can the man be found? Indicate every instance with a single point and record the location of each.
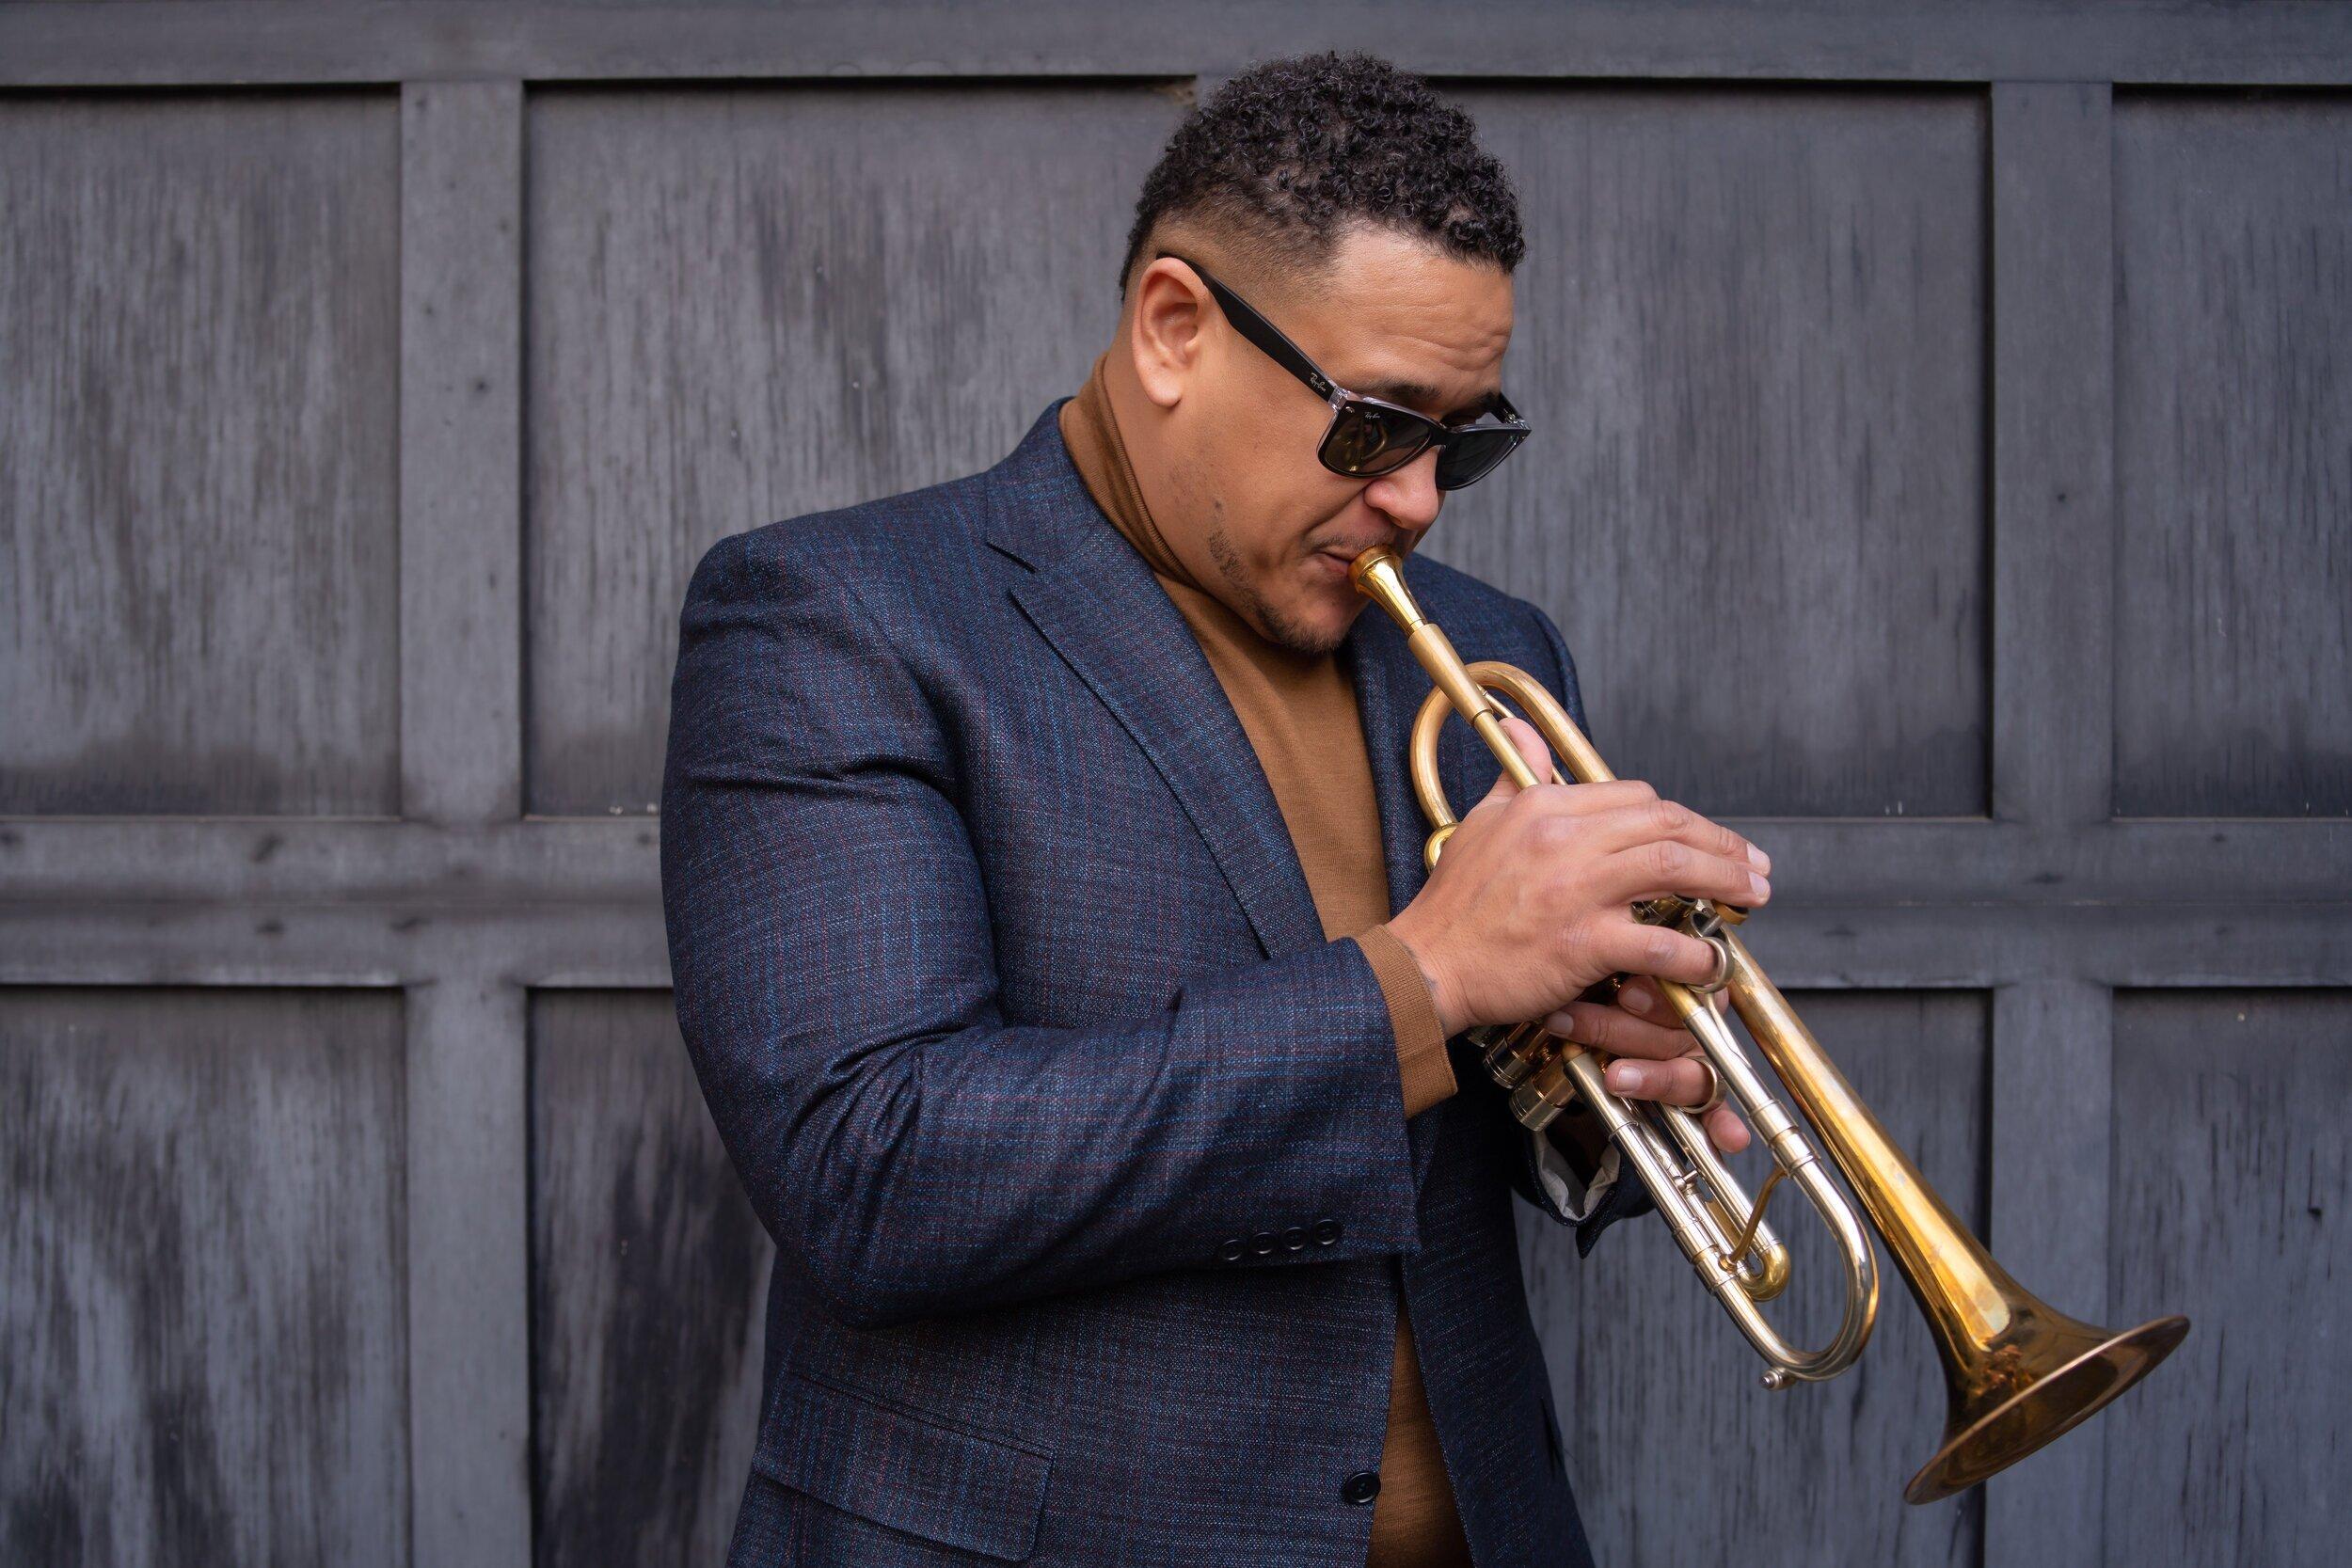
(1051, 936)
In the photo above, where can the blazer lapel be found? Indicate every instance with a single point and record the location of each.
(1389, 686)
(1095, 600)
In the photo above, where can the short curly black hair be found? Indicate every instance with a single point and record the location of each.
(1285, 155)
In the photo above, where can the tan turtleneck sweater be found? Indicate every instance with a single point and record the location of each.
(1300, 715)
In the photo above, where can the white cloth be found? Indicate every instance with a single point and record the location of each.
(1573, 1198)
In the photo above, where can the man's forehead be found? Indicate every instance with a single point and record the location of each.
(1412, 328)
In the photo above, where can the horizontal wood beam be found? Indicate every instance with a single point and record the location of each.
(222, 42)
(1839, 863)
(342, 943)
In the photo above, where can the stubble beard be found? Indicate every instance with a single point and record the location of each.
(1281, 629)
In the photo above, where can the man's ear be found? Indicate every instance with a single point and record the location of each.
(1165, 334)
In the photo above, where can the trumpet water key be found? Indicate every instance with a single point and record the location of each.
(2017, 1373)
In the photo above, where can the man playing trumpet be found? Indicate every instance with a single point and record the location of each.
(1051, 933)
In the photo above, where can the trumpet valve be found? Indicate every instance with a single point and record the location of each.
(1537, 1103)
(1511, 1054)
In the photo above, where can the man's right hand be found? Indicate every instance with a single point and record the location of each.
(1533, 900)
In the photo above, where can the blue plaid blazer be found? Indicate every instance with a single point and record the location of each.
(1082, 1150)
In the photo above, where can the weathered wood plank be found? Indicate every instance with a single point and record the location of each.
(1767, 308)
(1995, 867)
(461, 450)
(649, 1274)
(2231, 1191)
(1677, 1455)
(2053, 607)
(749, 305)
(201, 1277)
(469, 1246)
(2233, 342)
(602, 944)
(2053, 1138)
(1950, 40)
(2053, 453)
(198, 318)
(1751, 334)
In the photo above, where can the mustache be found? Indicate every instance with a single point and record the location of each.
(1397, 540)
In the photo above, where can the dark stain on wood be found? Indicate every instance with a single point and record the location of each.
(198, 308)
(200, 1276)
(648, 1275)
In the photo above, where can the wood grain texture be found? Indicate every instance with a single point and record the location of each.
(201, 1277)
(2231, 1191)
(1751, 334)
(469, 1264)
(198, 317)
(1675, 1453)
(1753, 323)
(2052, 1137)
(649, 1271)
(461, 450)
(747, 304)
(2233, 473)
(2053, 452)
(178, 41)
(1827, 866)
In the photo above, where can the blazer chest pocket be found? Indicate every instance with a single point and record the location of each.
(894, 1470)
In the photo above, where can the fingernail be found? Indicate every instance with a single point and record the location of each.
(1758, 859)
(1758, 887)
(1636, 997)
(1624, 1078)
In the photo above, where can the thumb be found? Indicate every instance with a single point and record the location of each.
(1531, 750)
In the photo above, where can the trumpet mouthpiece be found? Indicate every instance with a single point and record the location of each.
(1379, 575)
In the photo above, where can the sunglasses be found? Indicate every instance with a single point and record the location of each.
(1370, 435)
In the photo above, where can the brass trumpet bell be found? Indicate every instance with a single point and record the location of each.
(2040, 1378)
(2017, 1373)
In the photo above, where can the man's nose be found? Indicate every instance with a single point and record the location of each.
(1409, 497)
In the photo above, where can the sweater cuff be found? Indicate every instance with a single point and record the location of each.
(1422, 1064)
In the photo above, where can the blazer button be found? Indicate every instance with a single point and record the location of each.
(1361, 1487)
(1233, 1251)
(1295, 1238)
(1327, 1232)
(1263, 1243)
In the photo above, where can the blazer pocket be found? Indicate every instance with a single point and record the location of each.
(890, 1467)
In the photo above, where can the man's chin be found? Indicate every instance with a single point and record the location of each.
(1312, 629)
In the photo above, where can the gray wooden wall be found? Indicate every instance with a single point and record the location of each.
(1944, 475)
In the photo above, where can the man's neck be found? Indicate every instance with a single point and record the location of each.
(1142, 430)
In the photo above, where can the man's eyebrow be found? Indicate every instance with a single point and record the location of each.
(1412, 393)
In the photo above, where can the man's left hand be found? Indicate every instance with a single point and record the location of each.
(1656, 1054)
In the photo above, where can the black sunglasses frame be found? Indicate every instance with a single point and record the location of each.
(1352, 412)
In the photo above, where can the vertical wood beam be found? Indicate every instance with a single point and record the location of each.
(461, 451)
(468, 1277)
(461, 764)
(2054, 537)
(2053, 556)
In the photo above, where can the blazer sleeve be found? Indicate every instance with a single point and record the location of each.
(832, 953)
(1570, 1172)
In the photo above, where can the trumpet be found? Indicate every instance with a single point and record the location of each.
(2017, 1373)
